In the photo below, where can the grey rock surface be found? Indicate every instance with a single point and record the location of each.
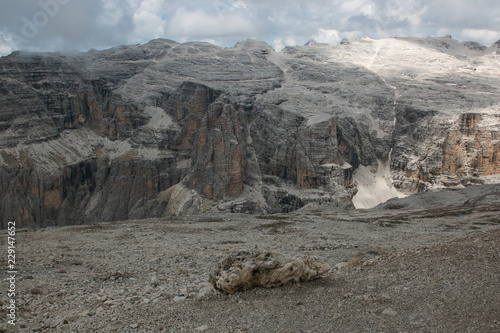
(166, 129)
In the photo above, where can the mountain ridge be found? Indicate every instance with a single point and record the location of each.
(166, 128)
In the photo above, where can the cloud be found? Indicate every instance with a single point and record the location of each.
(279, 43)
(485, 36)
(49, 25)
(198, 23)
(148, 22)
(360, 7)
(5, 43)
(327, 36)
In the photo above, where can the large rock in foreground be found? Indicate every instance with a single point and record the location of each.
(245, 271)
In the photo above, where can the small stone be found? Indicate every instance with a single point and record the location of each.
(154, 280)
(49, 323)
(134, 325)
(36, 291)
(205, 291)
(201, 328)
(356, 261)
(70, 319)
(369, 297)
(179, 298)
(389, 312)
(341, 265)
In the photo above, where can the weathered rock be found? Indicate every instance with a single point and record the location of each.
(245, 271)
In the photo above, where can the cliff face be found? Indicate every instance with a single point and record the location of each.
(166, 128)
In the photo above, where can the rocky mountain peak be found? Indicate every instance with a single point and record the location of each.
(251, 44)
(311, 41)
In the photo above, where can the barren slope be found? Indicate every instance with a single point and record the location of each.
(420, 270)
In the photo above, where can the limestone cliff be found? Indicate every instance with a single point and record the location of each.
(166, 128)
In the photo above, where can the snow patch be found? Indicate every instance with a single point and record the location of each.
(318, 119)
(150, 154)
(373, 188)
(333, 165)
(117, 148)
(159, 119)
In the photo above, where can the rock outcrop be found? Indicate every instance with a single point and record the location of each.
(166, 128)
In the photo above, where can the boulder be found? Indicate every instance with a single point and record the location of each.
(244, 271)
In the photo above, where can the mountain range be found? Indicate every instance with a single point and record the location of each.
(163, 128)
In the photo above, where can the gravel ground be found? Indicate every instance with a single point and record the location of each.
(435, 270)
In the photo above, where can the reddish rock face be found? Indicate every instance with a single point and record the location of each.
(215, 133)
(473, 146)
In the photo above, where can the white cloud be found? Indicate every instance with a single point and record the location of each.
(411, 10)
(198, 24)
(210, 40)
(360, 7)
(291, 41)
(148, 21)
(329, 36)
(442, 32)
(484, 36)
(112, 13)
(105, 23)
(352, 35)
(279, 43)
(5, 47)
(239, 5)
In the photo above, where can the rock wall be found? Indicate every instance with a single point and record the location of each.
(454, 150)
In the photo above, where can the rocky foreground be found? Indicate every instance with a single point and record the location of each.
(398, 268)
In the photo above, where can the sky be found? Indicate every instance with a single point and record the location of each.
(52, 25)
